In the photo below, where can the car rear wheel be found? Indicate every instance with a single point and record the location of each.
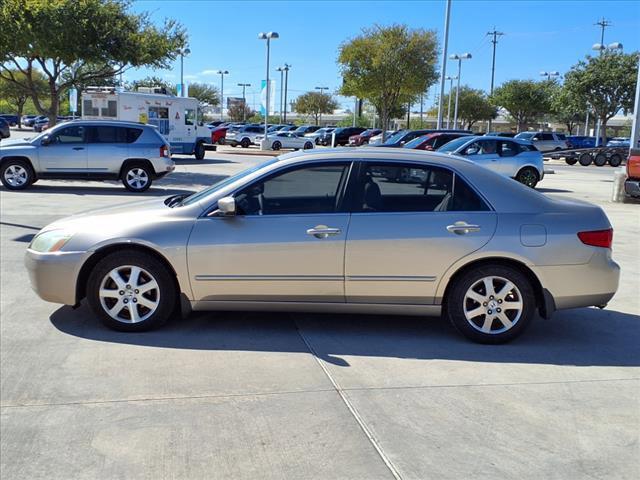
(131, 291)
(276, 145)
(308, 145)
(600, 160)
(199, 151)
(491, 304)
(615, 160)
(137, 177)
(585, 159)
(528, 176)
(245, 143)
(16, 174)
(571, 160)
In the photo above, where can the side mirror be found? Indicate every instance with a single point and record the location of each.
(227, 206)
(46, 140)
(471, 151)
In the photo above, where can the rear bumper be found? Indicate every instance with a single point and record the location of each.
(632, 188)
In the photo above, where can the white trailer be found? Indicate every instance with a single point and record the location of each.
(178, 118)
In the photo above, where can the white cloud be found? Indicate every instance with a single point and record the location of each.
(169, 75)
(208, 72)
(191, 77)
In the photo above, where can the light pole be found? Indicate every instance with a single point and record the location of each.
(244, 100)
(267, 36)
(602, 48)
(286, 83)
(495, 35)
(459, 57)
(321, 92)
(635, 127)
(451, 79)
(222, 73)
(443, 71)
(281, 70)
(183, 52)
(550, 75)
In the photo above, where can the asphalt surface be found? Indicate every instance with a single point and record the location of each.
(265, 395)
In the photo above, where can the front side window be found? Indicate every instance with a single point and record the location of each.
(394, 187)
(302, 190)
(67, 135)
(189, 116)
(453, 145)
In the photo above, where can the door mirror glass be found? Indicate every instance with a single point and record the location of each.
(227, 206)
(46, 140)
(471, 150)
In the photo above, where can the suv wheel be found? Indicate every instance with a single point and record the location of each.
(136, 177)
(528, 176)
(245, 143)
(199, 151)
(131, 291)
(276, 145)
(491, 304)
(307, 146)
(16, 174)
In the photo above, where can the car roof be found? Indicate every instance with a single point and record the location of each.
(119, 123)
(496, 137)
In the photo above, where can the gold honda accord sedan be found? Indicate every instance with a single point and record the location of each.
(367, 230)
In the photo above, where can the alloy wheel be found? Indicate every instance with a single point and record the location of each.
(493, 305)
(129, 294)
(16, 175)
(137, 178)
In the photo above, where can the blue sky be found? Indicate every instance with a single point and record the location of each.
(539, 35)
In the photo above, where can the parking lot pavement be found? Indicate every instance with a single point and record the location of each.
(257, 395)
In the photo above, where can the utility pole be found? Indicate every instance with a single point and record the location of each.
(286, 83)
(604, 23)
(495, 35)
(443, 66)
(244, 100)
(421, 108)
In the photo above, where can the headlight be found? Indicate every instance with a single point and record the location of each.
(50, 241)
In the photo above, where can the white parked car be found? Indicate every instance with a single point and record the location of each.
(545, 141)
(287, 140)
(377, 139)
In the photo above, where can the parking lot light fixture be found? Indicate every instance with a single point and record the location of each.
(244, 99)
(286, 83)
(550, 75)
(451, 79)
(321, 92)
(222, 73)
(459, 58)
(281, 70)
(183, 52)
(268, 37)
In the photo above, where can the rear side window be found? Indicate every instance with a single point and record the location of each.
(561, 136)
(465, 199)
(113, 134)
(547, 136)
(133, 134)
(508, 149)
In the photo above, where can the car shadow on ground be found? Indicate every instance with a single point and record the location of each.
(581, 337)
(194, 161)
(552, 190)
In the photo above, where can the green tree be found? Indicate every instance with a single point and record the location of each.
(361, 121)
(567, 108)
(388, 66)
(151, 81)
(606, 82)
(473, 106)
(207, 95)
(15, 95)
(525, 100)
(55, 37)
(314, 104)
(239, 111)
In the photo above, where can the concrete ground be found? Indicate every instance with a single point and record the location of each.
(263, 395)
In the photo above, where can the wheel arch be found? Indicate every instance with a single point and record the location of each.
(130, 161)
(24, 158)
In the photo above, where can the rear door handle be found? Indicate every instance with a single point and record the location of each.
(78, 148)
(322, 231)
(462, 228)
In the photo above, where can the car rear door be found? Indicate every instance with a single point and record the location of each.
(66, 152)
(107, 149)
(405, 233)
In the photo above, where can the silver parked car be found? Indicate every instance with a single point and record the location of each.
(545, 141)
(509, 157)
(325, 231)
(88, 150)
(243, 135)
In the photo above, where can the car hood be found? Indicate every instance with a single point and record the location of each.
(20, 142)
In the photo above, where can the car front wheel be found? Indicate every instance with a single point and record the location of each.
(16, 174)
(491, 304)
(131, 291)
(528, 176)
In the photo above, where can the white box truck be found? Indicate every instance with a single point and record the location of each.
(178, 118)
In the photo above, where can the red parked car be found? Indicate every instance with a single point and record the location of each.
(433, 141)
(218, 135)
(362, 138)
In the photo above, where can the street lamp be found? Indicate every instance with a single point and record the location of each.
(550, 75)
(281, 70)
(451, 79)
(183, 52)
(244, 100)
(321, 92)
(222, 73)
(602, 48)
(267, 36)
(286, 83)
(459, 57)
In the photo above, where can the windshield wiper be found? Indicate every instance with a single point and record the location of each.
(176, 200)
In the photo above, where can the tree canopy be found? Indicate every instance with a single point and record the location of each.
(525, 100)
(58, 37)
(473, 106)
(566, 107)
(388, 66)
(207, 95)
(314, 104)
(16, 96)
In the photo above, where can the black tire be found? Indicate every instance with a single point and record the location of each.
(600, 160)
(615, 160)
(571, 160)
(308, 146)
(133, 170)
(199, 151)
(317, 141)
(221, 141)
(16, 174)
(276, 145)
(585, 159)
(528, 176)
(160, 273)
(456, 302)
(245, 143)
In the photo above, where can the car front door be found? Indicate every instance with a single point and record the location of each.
(285, 243)
(484, 152)
(405, 233)
(66, 152)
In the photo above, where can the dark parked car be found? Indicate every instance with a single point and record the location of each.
(12, 120)
(404, 136)
(4, 129)
(30, 122)
(304, 129)
(433, 141)
(342, 135)
(364, 137)
(501, 134)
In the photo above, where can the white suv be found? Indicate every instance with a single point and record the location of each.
(545, 141)
(244, 135)
(89, 150)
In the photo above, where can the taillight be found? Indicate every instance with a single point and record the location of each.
(164, 151)
(597, 238)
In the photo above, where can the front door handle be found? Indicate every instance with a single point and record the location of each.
(462, 228)
(322, 231)
(78, 148)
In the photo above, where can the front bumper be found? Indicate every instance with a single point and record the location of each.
(53, 276)
(632, 188)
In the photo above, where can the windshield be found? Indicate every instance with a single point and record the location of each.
(453, 145)
(416, 142)
(191, 199)
(396, 138)
(525, 135)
